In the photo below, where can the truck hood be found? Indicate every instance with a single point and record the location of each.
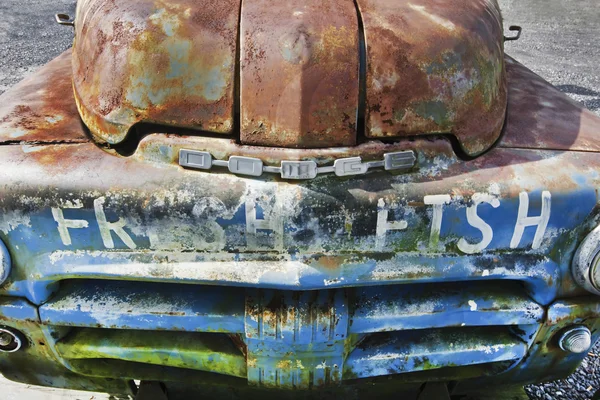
(306, 74)
(41, 110)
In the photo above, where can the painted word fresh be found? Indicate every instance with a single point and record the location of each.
(258, 223)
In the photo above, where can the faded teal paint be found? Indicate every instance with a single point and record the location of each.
(179, 52)
(450, 62)
(434, 110)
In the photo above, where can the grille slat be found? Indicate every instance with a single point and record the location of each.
(196, 351)
(411, 351)
(422, 306)
(146, 306)
(155, 306)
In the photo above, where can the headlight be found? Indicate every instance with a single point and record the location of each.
(586, 263)
(577, 339)
(10, 340)
(4, 262)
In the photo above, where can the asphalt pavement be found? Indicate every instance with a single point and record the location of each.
(560, 42)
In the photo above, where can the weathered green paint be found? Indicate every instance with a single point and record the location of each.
(202, 352)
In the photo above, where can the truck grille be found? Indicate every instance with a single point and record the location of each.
(290, 339)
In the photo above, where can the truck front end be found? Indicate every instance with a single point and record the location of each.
(266, 198)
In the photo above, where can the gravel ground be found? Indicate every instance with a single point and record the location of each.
(580, 385)
(560, 42)
(29, 37)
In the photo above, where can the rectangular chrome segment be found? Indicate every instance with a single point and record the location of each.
(298, 169)
(195, 159)
(245, 166)
(399, 160)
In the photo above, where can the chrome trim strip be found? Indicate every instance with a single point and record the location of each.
(296, 170)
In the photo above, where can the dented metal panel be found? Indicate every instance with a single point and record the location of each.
(171, 62)
(299, 73)
(435, 67)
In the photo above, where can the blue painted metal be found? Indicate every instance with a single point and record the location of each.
(405, 307)
(17, 309)
(291, 271)
(132, 305)
(298, 339)
(413, 351)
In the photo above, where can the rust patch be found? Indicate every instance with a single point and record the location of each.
(170, 62)
(435, 67)
(330, 263)
(41, 108)
(299, 73)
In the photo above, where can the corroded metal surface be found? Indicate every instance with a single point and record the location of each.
(493, 235)
(18, 314)
(299, 73)
(435, 66)
(36, 112)
(169, 225)
(297, 170)
(284, 330)
(430, 68)
(171, 62)
(541, 117)
(195, 351)
(546, 361)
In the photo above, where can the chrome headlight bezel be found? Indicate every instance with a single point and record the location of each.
(5, 263)
(586, 262)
